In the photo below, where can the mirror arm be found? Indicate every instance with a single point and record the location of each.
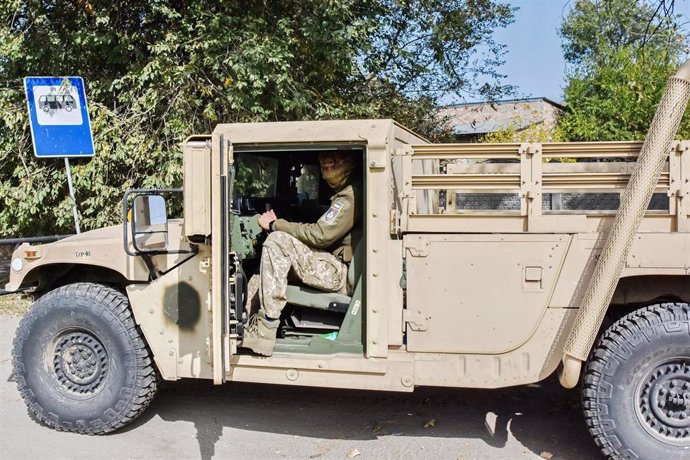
(153, 273)
(193, 251)
(146, 256)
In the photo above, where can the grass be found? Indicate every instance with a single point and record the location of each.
(14, 304)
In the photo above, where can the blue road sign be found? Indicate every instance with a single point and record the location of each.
(60, 125)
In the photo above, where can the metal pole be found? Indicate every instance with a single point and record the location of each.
(71, 194)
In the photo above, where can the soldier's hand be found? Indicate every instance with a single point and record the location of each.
(266, 218)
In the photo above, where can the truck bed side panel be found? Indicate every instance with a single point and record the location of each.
(479, 293)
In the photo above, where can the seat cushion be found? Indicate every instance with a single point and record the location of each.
(309, 297)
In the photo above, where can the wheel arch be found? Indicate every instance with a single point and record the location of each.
(632, 293)
(50, 276)
(635, 292)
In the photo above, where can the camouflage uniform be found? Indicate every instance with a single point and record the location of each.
(317, 254)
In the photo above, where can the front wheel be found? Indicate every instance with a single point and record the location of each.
(80, 362)
(636, 390)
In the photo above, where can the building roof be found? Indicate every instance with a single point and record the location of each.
(476, 118)
(490, 126)
(508, 101)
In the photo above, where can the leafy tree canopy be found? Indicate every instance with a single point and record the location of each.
(160, 70)
(620, 54)
(595, 27)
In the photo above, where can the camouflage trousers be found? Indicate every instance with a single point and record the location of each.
(285, 256)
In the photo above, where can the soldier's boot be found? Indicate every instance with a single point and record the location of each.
(260, 334)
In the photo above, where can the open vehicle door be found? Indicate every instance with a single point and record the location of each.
(225, 310)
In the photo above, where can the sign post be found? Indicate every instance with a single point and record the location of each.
(60, 124)
(71, 194)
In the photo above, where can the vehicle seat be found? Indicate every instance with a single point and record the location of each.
(306, 296)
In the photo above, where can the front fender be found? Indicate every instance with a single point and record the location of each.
(101, 248)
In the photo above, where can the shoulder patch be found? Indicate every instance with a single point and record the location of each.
(334, 211)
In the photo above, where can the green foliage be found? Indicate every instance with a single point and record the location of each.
(621, 54)
(158, 71)
(617, 101)
(538, 132)
(593, 28)
(255, 175)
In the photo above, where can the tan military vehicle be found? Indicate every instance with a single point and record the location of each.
(444, 294)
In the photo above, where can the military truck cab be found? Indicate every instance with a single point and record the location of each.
(260, 167)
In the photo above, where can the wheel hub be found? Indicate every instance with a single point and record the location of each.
(664, 402)
(81, 362)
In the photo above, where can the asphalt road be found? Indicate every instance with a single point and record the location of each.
(194, 419)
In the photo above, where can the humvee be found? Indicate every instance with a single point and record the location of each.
(442, 295)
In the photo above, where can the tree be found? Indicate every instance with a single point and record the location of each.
(158, 71)
(620, 54)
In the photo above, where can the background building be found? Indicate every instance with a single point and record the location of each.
(473, 120)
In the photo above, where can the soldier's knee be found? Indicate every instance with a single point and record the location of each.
(276, 239)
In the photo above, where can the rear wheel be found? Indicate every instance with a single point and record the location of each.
(80, 362)
(636, 390)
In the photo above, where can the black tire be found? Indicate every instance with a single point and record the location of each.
(80, 362)
(636, 388)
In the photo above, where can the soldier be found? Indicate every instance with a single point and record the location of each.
(316, 253)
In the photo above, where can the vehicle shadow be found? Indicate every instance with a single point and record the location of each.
(542, 417)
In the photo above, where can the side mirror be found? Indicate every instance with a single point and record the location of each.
(149, 223)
